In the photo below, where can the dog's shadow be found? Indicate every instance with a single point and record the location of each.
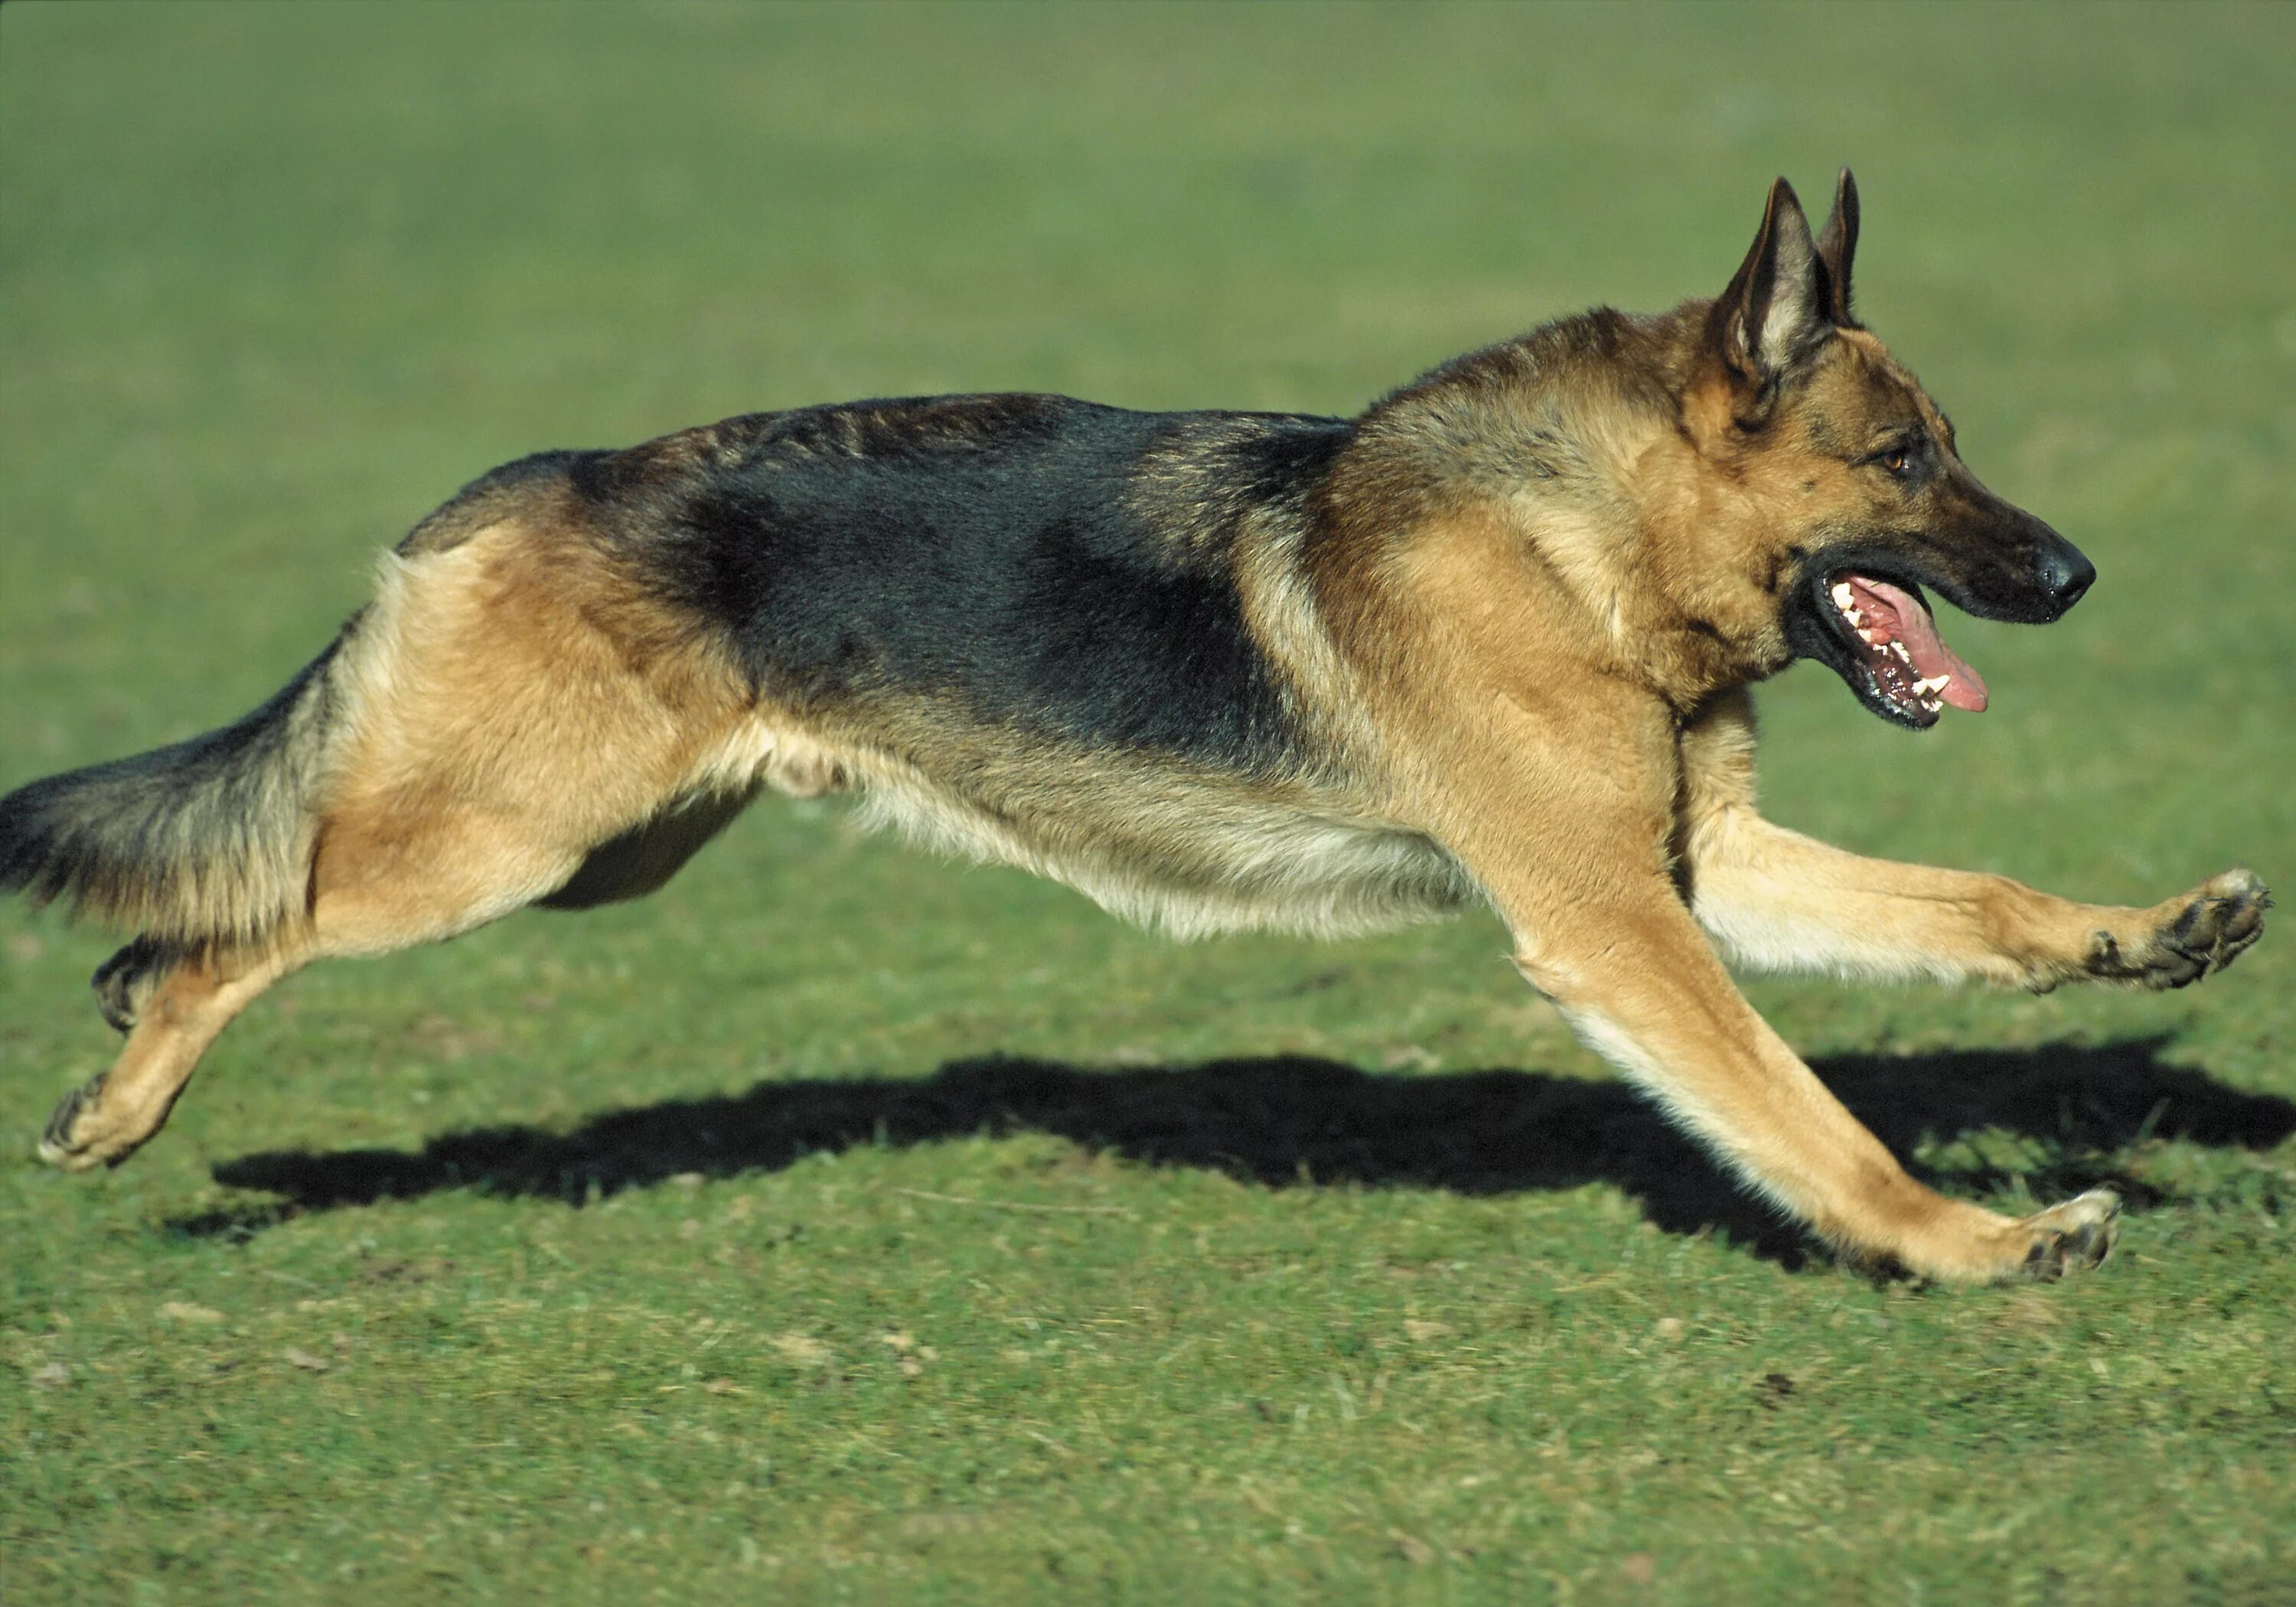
(1289, 1120)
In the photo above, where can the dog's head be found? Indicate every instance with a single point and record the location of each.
(1854, 497)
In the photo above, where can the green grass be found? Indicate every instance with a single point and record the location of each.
(842, 1223)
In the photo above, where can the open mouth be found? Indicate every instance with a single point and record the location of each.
(1908, 674)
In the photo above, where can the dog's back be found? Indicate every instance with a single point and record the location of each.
(1025, 562)
(1033, 629)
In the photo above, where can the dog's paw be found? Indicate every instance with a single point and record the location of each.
(84, 1132)
(70, 1141)
(2194, 937)
(2074, 1236)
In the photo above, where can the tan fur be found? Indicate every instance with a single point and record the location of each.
(1513, 639)
(1777, 900)
(1562, 684)
(116, 1110)
(1562, 787)
(594, 718)
(443, 810)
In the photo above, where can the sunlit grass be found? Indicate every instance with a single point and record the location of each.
(843, 1223)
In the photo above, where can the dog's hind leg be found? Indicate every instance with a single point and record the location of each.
(387, 875)
(1779, 901)
(514, 715)
(181, 1002)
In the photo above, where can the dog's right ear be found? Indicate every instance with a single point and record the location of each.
(1773, 315)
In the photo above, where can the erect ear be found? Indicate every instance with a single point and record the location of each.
(1837, 246)
(1774, 313)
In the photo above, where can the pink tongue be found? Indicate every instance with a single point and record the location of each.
(1930, 656)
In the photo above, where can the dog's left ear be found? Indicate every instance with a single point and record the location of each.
(1837, 246)
(1773, 315)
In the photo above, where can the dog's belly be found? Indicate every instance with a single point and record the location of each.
(1188, 857)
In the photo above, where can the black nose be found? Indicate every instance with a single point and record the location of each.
(2065, 573)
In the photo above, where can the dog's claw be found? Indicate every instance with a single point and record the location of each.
(2220, 920)
(82, 1134)
(60, 1145)
(2074, 1236)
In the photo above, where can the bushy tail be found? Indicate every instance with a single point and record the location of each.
(209, 840)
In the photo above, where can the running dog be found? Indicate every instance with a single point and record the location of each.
(1490, 641)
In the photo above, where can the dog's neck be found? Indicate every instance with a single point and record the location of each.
(1594, 508)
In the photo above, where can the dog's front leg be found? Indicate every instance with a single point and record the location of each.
(1639, 983)
(1780, 901)
(1566, 825)
(1777, 900)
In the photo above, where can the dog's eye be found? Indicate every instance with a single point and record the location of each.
(1902, 459)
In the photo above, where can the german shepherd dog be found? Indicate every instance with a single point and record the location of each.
(1490, 640)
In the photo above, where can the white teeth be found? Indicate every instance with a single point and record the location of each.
(1929, 689)
(1899, 649)
(1870, 638)
(1842, 596)
(1853, 616)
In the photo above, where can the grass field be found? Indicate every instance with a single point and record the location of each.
(844, 1224)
